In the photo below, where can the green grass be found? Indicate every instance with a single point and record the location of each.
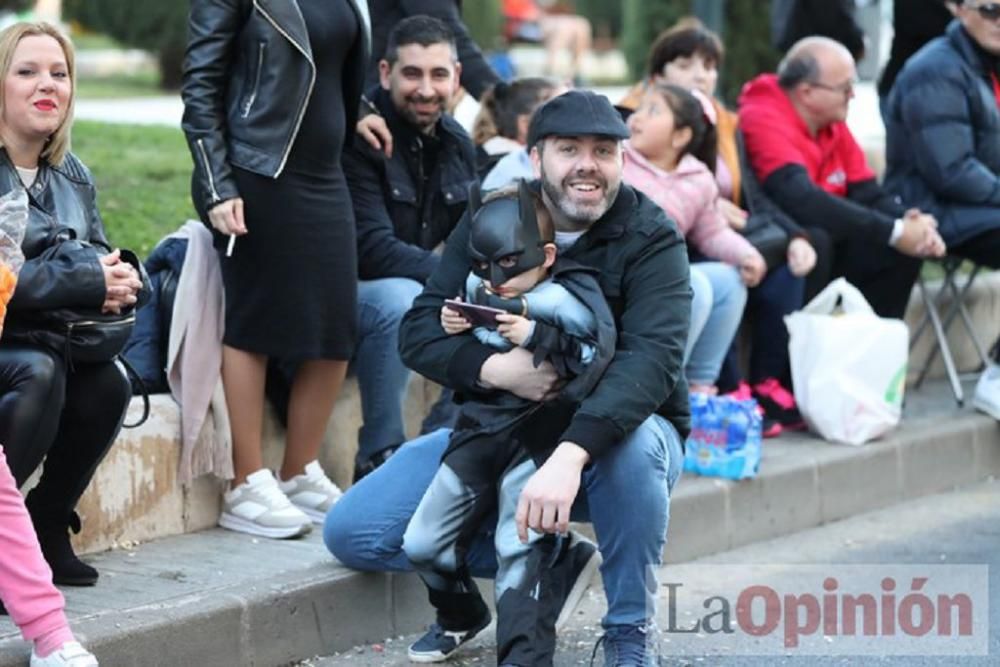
(141, 84)
(143, 176)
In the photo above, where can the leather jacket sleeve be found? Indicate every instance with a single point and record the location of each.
(77, 281)
(43, 284)
(213, 26)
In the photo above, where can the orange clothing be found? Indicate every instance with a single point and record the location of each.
(521, 10)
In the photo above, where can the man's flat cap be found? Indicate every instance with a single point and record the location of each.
(576, 113)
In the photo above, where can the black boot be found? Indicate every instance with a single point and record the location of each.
(53, 537)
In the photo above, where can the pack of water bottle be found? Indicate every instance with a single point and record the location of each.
(725, 439)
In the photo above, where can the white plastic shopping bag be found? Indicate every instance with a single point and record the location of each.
(848, 365)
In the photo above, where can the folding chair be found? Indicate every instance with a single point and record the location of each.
(940, 325)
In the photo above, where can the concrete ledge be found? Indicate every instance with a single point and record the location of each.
(220, 598)
(136, 497)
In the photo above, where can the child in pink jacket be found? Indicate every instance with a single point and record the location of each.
(26, 589)
(673, 139)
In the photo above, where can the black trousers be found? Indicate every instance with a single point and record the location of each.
(883, 275)
(69, 418)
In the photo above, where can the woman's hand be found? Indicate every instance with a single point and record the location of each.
(735, 217)
(227, 217)
(373, 129)
(801, 257)
(752, 268)
(452, 321)
(122, 283)
(514, 328)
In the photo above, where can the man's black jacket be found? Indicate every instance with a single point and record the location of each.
(643, 272)
(408, 204)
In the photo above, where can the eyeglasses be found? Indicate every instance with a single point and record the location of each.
(844, 89)
(989, 11)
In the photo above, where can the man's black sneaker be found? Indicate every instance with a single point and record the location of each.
(439, 644)
(626, 646)
(369, 465)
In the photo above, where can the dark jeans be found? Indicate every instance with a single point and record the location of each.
(883, 275)
(68, 418)
(779, 294)
(982, 249)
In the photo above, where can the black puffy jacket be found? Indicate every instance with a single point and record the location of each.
(942, 129)
(248, 76)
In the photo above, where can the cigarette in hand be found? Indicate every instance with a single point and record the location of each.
(231, 245)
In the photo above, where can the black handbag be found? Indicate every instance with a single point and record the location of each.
(79, 334)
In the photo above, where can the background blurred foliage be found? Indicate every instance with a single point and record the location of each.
(159, 27)
(634, 24)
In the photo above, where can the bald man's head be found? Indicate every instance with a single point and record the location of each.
(818, 76)
(804, 62)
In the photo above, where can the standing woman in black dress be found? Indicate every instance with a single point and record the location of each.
(270, 93)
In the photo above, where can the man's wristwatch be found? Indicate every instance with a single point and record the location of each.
(897, 232)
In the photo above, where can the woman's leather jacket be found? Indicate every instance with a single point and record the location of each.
(61, 198)
(248, 76)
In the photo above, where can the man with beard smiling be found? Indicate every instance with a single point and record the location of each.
(623, 444)
(405, 206)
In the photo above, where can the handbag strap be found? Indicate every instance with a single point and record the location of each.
(137, 381)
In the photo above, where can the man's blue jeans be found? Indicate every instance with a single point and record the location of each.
(625, 494)
(382, 377)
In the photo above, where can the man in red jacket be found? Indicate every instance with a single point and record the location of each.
(802, 151)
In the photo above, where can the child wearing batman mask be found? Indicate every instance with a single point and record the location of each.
(555, 309)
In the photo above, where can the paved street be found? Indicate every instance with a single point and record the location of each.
(957, 528)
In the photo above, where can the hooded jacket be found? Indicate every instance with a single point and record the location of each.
(643, 273)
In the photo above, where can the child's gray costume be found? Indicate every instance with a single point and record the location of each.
(497, 445)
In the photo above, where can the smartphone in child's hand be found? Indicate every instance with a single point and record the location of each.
(478, 316)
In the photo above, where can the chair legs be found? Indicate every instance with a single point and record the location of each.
(941, 325)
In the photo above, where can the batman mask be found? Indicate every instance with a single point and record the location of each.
(504, 228)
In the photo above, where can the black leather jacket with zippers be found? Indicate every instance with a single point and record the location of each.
(61, 200)
(248, 77)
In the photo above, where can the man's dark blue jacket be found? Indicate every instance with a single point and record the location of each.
(943, 136)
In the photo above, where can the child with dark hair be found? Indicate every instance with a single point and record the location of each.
(554, 309)
(673, 140)
(690, 55)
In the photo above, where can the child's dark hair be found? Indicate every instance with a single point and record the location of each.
(501, 105)
(546, 227)
(682, 40)
(689, 112)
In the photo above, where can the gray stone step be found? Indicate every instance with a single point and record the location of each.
(219, 598)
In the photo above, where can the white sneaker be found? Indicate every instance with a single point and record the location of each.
(258, 507)
(987, 398)
(312, 492)
(70, 654)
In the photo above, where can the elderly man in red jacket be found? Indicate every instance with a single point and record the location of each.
(802, 151)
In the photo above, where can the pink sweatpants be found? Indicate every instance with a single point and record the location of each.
(26, 588)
